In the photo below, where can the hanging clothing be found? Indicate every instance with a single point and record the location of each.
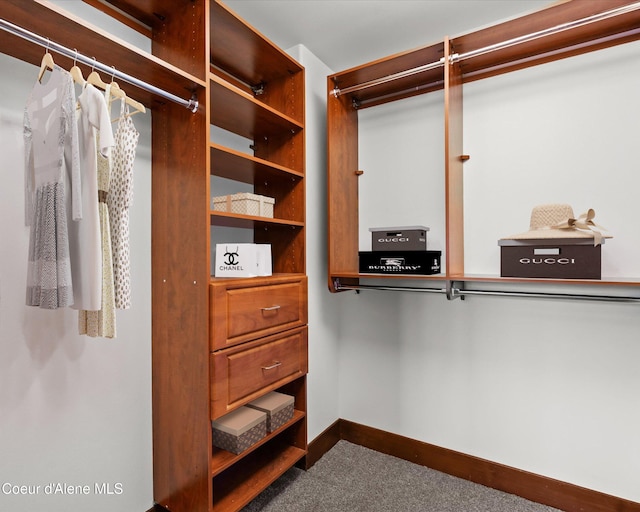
(52, 189)
(119, 201)
(84, 237)
(102, 322)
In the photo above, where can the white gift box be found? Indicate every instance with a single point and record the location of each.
(242, 260)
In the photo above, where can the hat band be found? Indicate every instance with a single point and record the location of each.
(583, 223)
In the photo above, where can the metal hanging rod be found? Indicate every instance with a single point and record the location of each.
(357, 103)
(16, 30)
(389, 78)
(343, 287)
(490, 48)
(549, 31)
(453, 293)
(552, 53)
(536, 295)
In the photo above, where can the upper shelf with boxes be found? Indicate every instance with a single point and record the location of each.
(567, 29)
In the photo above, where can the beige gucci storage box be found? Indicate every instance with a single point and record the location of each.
(246, 204)
(239, 430)
(277, 406)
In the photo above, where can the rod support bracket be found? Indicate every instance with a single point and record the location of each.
(452, 292)
(258, 89)
(193, 105)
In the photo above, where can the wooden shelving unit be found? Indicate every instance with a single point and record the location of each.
(447, 66)
(256, 91)
(246, 85)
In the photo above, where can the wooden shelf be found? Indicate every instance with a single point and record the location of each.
(567, 43)
(237, 486)
(605, 281)
(238, 166)
(238, 220)
(488, 278)
(357, 275)
(261, 62)
(149, 13)
(238, 112)
(223, 459)
(257, 281)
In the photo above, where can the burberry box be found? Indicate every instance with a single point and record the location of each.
(239, 430)
(407, 238)
(568, 258)
(277, 406)
(400, 262)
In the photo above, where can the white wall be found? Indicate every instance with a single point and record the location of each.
(545, 386)
(74, 410)
(323, 382)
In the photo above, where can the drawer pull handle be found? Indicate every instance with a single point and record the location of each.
(274, 365)
(272, 308)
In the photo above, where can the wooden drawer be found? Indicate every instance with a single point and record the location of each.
(241, 374)
(243, 310)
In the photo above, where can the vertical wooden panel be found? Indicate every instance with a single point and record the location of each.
(180, 372)
(453, 165)
(282, 94)
(179, 36)
(342, 157)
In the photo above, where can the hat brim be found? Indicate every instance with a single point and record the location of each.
(552, 233)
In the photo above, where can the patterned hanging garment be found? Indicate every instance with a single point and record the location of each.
(52, 189)
(119, 201)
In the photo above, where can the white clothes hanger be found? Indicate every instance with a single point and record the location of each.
(117, 92)
(47, 63)
(94, 78)
(76, 72)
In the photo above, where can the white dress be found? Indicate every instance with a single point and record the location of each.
(84, 237)
(100, 321)
(52, 189)
(119, 200)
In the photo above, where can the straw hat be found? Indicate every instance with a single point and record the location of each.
(557, 221)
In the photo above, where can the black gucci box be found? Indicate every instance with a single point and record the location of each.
(405, 238)
(566, 258)
(400, 262)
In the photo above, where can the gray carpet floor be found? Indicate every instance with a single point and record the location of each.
(351, 478)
